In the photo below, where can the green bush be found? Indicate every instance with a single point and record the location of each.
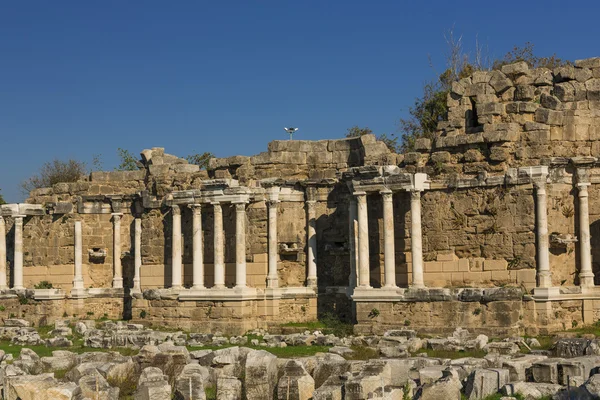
(43, 285)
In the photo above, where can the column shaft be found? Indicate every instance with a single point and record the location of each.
(137, 262)
(176, 254)
(311, 229)
(78, 278)
(272, 278)
(219, 262)
(3, 284)
(416, 239)
(18, 259)
(586, 275)
(388, 240)
(364, 278)
(543, 270)
(198, 251)
(117, 267)
(353, 240)
(240, 245)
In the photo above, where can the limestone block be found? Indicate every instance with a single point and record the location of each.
(485, 382)
(261, 374)
(518, 68)
(546, 371)
(593, 89)
(531, 390)
(564, 73)
(440, 157)
(524, 92)
(499, 81)
(549, 117)
(296, 383)
(447, 388)
(550, 102)
(499, 153)
(229, 388)
(329, 365)
(490, 109)
(588, 63)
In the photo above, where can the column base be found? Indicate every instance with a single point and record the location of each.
(18, 288)
(544, 279)
(272, 283)
(311, 282)
(546, 293)
(117, 283)
(586, 279)
(79, 293)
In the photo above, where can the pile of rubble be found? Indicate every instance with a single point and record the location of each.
(164, 367)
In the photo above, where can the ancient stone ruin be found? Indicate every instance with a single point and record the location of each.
(494, 225)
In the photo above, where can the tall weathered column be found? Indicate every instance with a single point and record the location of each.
(219, 262)
(240, 245)
(3, 284)
(198, 251)
(78, 278)
(18, 259)
(311, 229)
(117, 267)
(353, 240)
(541, 222)
(273, 200)
(137, 254)
(416, 239)
(176, 254)
(363, 241)
(389, 257)
(586, 275)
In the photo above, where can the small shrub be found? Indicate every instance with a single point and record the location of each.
(43, 285)
(65, 315)
(477, 311)
(210, 392)
(23, 300)
(574, 324)
(143, 314)
(406, 322)
(90, 313)
(127, 383)
(2, 308)
(374, 313)
(12, 315)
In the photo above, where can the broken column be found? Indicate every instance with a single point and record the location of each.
(272, 201)
(363, 241)
(176, 255)
(197, 251)
(219, 263)
(388, 240)
(78, 278)
(586, 275)
(137, 261)
(311, 229)
(117, 267)
(3, 284)
(240, 244)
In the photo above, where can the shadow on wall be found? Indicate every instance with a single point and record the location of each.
(595, 241)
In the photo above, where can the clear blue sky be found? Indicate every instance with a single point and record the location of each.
(79, 78)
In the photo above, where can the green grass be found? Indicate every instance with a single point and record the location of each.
(453, 354)
(362, 353)
(44, 351)
(210, 392)
(312, 325)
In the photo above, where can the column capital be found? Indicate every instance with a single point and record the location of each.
(195, 206)
(240, 206)
(359, 193)
(415, 194)
(540, 185)
(20, 216)
(583, 175)
(116, 216)
(387, 194)
(310, 204)
(271, 202)
(311, 193)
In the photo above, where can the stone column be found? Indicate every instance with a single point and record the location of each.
(137, 252)
(198, 250)
(3, 284)
(352, 240)
(586, 275)
(389, 256)
(240, 245)
(416, 239)
(272, 278)
(219, 263)
(78, 278)
(18, 259)
(176, 255)
(541, 222)
(311, 229)
(363, 241)
(117, 267)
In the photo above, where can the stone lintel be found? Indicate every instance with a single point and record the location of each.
(547, 293)
(226, 294)
(535, 173)
(377, 295)
(49, 294)
(21, 210)
(583, 161)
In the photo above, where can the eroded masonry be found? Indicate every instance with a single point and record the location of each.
(492, 225)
